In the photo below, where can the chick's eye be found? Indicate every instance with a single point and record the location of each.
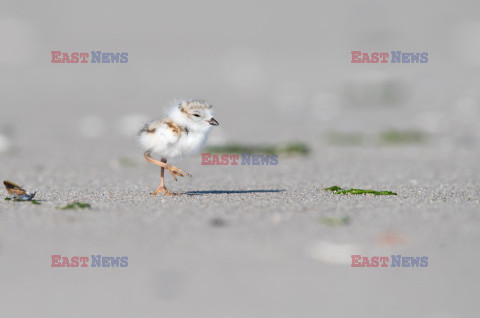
(196, 115)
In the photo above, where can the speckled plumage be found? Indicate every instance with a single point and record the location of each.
(181, 133)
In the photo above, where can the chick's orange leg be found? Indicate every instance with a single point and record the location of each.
(172, 169)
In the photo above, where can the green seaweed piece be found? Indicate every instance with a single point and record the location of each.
(345, 139)
(75, 205)
(35, 202)
(402, 137)
(338, 190)
(295, 148)
(238, 149)
(333, 188)
(335, 221)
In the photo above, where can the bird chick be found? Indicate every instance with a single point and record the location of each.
(183, 132)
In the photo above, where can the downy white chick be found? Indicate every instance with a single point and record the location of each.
(182, 133)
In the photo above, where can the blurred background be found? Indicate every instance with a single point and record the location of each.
(276, 72)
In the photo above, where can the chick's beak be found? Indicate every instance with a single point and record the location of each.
(212, 121)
